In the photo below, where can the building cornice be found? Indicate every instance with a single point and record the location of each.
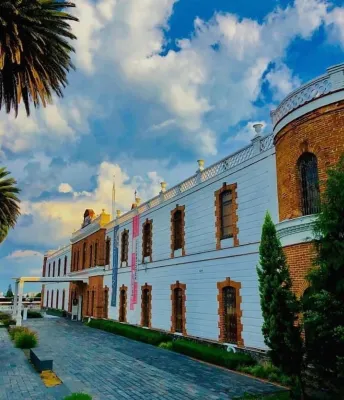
(56, 253)
(296, 230)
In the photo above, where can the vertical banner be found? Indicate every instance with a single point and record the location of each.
(114, 266)
(134, 249)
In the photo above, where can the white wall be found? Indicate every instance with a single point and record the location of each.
(59, 254)
(203, 266)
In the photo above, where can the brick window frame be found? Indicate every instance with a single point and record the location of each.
(220, 286)
(182, 209)
(149, 288)
(107, 250)
(181, 286)
(218, 217)
(149, 239)
(121, 304)
(124, 253)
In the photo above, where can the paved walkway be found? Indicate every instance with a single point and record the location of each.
(113, 367)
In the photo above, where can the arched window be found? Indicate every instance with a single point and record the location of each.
(49, 269)
(178, 313)
(230, 314)
(147, 239)
(65, 266)
(54, 268)
(47, 303)
(91, 256)
(77, 260)
(146, 305)
(52, 299)
(57, 299)
(84, 255)
(92, 303)
(63, 299)
(125, 246)
(106, 302)
(107, 251)
(59, 268)
(178, 229)
(226, 214)
(309, 184)
(96, 254)
(122, 317)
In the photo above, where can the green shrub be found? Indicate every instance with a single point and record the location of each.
(269, 372)
(131, 332)
(166, 345)
(213, 355)
(7, 322)
(25, 340)
(4, 316)
(17, 329)
(34, 314)
(78, 396)
(56, 312)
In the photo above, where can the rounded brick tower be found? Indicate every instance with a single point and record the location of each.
(309, 138)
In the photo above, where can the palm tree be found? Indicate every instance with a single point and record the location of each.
(9, 207)
(34, 51)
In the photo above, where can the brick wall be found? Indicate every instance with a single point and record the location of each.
(320, 132)
(89, 240)
(300, 260)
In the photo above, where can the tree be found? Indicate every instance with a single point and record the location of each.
(9, 292)
(34, 51)
(282, 333)
(39, 294)
(9, 207)
(324, 309)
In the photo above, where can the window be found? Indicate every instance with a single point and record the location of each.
(49, 270)
(125, 246)
(77, 260)
(96, 253)
(177, 220)
(309, 184)
(63, 299)
(147, 239)
(65, 266)
(226, 214)
(84, 255)
(92, 303)
(54, 268)
(107, 251)
(106, 302)
(178, 308)
(229, 312)
(52, 299)
(122, 317)
(91, 256)
(57, 299)
(47, 303)
(59, 268)
(146, 298)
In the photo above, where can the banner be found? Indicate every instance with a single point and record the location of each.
(114, 266)
(134, 247)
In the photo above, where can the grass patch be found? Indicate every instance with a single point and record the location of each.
(26, 340)
(131, 332)
(78, 396)
(56, 312)
(269, 372)
(213, 355)
(166, 345)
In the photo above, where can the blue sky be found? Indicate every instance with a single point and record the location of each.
(159, 84)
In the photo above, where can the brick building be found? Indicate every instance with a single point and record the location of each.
(185, 261)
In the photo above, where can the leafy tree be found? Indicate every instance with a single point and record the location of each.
(9, 292)
(39, 294)
(282, 333)
(324, 309)
(9, 207)
(35, 54)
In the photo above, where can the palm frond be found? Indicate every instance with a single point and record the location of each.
(9, 202)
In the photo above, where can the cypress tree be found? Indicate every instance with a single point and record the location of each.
(280, 308)
(324, 308)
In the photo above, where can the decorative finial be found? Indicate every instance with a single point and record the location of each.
(200, 165)
(118, 213)
(163, 187)
(258, 128)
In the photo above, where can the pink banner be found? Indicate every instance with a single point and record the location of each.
(135, 234)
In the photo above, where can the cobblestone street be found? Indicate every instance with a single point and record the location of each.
(113, 367)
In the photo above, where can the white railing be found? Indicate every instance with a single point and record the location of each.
(331, 82)
(9, 307)
(226, 164)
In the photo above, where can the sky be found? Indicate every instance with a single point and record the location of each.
(158, 85)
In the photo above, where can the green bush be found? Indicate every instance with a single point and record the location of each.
(25, 340)
(34, 314)
(78, 396)
(7, 322)
(131, 332)
(166, 345)
(56, 312)
(213, 355)
(4, 316)
(269, 372)
(18, 329)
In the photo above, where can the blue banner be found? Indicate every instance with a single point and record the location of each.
(114, 266)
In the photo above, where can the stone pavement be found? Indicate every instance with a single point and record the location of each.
(108, 367)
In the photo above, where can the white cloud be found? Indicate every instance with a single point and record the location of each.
(20, 254)
(65, 188)
(282, 82)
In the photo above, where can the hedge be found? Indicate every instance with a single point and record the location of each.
(212, 354)
(56, 312)
(131, 332)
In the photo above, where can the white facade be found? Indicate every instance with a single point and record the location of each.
(203, 266)
(53, 292)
